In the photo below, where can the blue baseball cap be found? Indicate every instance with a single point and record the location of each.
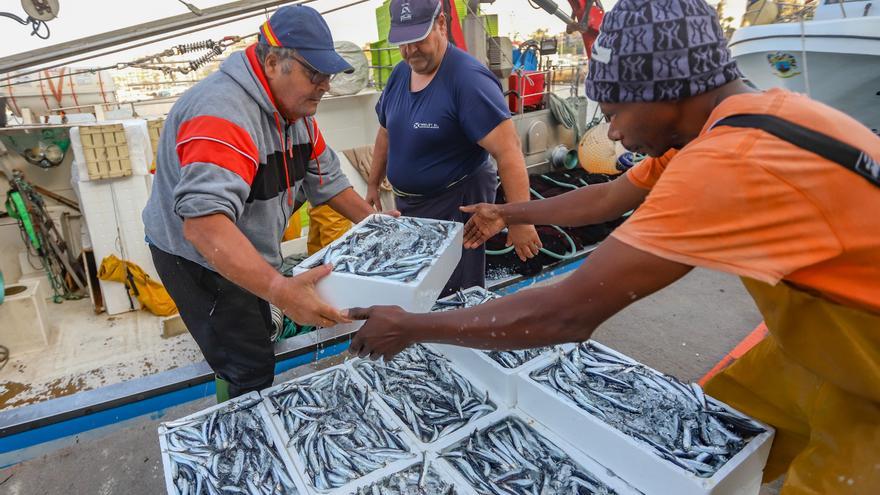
(412, 20)
(303, 29)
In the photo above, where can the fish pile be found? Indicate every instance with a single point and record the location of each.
(392, 248)
(420, 479)
(335, 429)
(474, 297)
(226, 451)
(511, 458)
(424, 391)
(672, 417)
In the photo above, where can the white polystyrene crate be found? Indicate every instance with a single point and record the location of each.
(632, 459)
(602, 473)
(439, 466)
(411, 436)
(268, 426)
(486, 371)
(346, 290)
(297, 463)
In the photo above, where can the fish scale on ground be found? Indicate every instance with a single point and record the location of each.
(335, 429)
(393, 248)
(474, 297)
(510, 458)
(675, 419)
(226, 451)
(424, 391)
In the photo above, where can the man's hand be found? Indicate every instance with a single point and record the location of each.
(486, 221)
(373, 197)
(525, 240)
(383, 334)
(298, 299)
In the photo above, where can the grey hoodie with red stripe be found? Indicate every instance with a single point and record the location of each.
(226, 149)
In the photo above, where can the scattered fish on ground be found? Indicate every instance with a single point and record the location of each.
(511, 458)
(474, 297)
(335, 429)
(393, 248)
(420, 479)
(226, 451)
(425, 392)
(674, 418)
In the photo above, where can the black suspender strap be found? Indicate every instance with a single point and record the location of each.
(823, 145)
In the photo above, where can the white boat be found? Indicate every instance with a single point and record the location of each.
(833, 56)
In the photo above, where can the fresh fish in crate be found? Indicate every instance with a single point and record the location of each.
(392, 248)
(226, 451)
(335, 429)
(511, 458)
(420, 479)
(475, 297)
(673, 418)
(425, 392)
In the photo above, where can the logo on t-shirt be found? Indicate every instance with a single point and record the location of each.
(425, 125)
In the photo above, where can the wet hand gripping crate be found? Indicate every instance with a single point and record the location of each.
(489, 371)
(635, 460)
(347, 290)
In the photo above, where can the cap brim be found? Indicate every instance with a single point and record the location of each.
(325, 61)
(400, 35)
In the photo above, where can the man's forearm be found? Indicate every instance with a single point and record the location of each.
(379, 164)
(588, 205)
(530, 318)
(231, 253)
(514, 177)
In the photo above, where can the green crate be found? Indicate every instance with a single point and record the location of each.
(383, 57)
(490, 21)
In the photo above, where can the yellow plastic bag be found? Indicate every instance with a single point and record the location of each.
(150, 293)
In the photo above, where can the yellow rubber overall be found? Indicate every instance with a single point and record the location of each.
(816, 379)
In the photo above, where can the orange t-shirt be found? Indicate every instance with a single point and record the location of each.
(745, 202)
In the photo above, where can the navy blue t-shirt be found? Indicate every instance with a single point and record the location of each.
(433, 133)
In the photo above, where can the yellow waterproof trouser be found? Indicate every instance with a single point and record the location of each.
(325, 226)
(816, 379)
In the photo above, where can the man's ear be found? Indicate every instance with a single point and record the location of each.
(271, 66)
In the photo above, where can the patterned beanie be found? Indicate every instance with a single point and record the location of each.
(659, 50)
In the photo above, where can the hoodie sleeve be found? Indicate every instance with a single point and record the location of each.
(324, 178)
(218, 162)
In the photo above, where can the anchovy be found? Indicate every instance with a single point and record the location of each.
(425, 392)
(420, 479)
(674, 419)
(510, 457)
(474, 297)
(335, 429)
(393, 248)
(226, 451)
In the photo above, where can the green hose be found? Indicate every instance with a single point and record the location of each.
(558, 183)
(567, 256)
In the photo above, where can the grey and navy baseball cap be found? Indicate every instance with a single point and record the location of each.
(412, 20)
(659, 51)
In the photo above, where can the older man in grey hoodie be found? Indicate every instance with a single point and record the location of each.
(237, 148)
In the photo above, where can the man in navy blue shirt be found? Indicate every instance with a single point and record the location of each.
(441, 115)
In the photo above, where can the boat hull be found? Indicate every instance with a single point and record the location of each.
(835, 62)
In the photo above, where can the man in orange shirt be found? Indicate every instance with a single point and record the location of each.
(774, 187)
